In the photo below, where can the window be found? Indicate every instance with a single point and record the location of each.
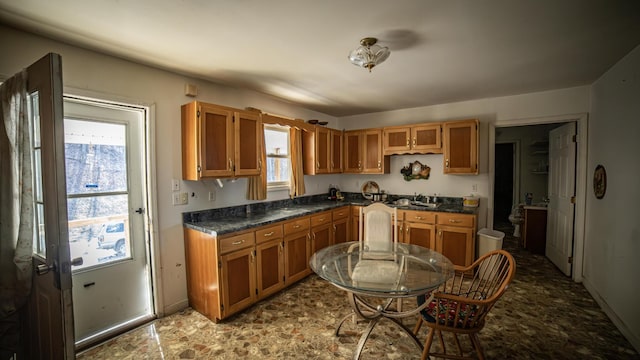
(278, 161)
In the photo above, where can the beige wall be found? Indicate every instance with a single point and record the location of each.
(612, 244)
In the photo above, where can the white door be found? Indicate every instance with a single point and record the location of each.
(562, 184)
(105, 162)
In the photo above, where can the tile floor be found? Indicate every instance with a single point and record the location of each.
(543, 315)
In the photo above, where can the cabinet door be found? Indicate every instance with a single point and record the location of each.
(320, 237)
(397, 140)
(340, 231)
(426, 138)
(335, 165)
(420, 234)
(216, 141)
(353, 151)
(270, 267)
(460, 147)
(297, 250)
(248, 142)
(373, 152)
(237, 280)
(456, 243)
(322, 150)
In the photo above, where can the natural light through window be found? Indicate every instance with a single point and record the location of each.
(278, 161)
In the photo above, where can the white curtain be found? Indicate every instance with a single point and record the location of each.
(16, 196)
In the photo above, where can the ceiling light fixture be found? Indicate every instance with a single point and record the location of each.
(368, 54)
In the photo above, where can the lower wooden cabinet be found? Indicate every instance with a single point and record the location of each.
(228, 273)
(297, 250)
(270, 267)
(237, 280)
(456, 237)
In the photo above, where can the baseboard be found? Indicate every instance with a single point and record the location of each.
(634, 339)
(174, 308)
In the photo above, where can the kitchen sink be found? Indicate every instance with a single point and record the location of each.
(424, 204)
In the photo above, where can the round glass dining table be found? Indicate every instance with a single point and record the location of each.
(406, 271)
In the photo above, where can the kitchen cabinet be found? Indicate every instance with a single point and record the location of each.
(355, 223)
(297, 249)
(363, 152)
(337, 153)
(534, 235)
(218, 141)
(340, 221)
(322, 151)
(413, 139)
(417, 228)
(460, 147)
(321, 231)
(456, 237)
(269, 260)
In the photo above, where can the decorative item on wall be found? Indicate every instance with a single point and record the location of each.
(415, 170)
(599, 182)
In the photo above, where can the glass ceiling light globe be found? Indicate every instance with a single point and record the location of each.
(368, 54)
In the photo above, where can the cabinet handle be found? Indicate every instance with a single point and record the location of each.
(414, 141)
(230, 163)
(269, 233)
(454, 221)
(296, 226)
(446, 163)
(407, 229)
(237, 242)
(440, 233)
(419, 218)
(379, 164)
(308, 236)
(321, 220)
(335, 228)
(317, 164)
(407, 142)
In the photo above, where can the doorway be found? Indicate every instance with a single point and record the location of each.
(503, 199)
(534, 168)
(106, 197)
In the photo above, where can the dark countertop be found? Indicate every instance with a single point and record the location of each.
(229, 223)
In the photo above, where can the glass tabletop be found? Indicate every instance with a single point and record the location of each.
(408, 271)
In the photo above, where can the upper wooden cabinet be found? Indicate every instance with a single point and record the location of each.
(322, 149)
(414, 139)
(218, 141)
(363, 152)
(460, 147)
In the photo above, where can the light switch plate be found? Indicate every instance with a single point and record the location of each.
(180, 198)
(175, 185)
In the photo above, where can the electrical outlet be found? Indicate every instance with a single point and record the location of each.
(180, 198)
(474, 187)
(175, 185)
(212, 196)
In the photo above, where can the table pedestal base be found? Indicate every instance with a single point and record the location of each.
(365, 311)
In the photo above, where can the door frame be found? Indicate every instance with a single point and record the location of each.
(150, 183)
(581, 120)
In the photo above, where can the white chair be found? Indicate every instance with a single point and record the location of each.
(377, 245)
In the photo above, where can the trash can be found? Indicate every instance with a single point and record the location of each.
(488, 240)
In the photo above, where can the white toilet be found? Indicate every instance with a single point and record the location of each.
(516, 219)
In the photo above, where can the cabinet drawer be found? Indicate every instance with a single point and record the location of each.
(270, 233)
(321, 219)
(341, 213)
(237, 242)
(297, 225)
(426, 217)
(456, 220)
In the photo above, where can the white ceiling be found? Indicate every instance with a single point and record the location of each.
(441, 50)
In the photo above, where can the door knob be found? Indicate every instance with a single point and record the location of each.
(140, 211)
(44, 268)
(77, 261)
